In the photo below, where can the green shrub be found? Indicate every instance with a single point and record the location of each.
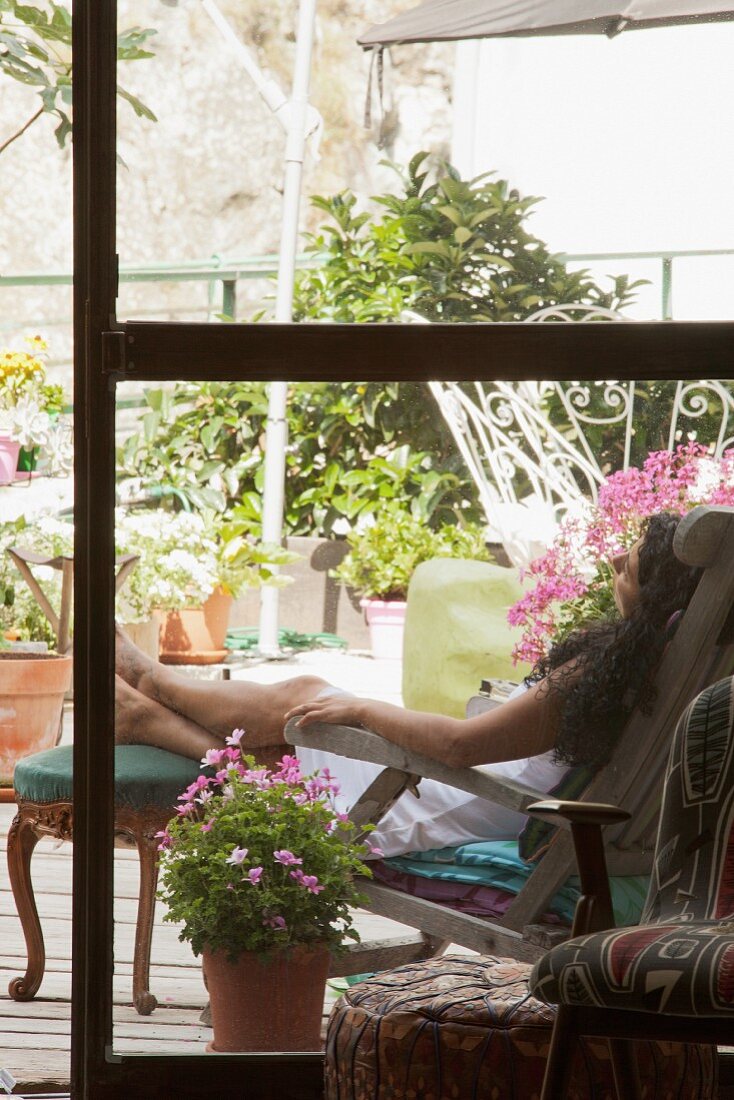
(385, 554)
(446, 248)
(352, 448)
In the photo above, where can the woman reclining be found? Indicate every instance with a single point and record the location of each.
(568, 712)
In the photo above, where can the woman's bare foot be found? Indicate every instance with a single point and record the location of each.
(131, 664)
(140, 720)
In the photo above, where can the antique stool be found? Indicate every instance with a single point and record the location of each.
(148, 782)
(465, 1028)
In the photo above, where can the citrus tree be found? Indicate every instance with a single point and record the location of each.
(445, 248)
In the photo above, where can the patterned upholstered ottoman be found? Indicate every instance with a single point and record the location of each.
(466, 1028)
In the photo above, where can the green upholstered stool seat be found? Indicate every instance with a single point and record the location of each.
(144, 776)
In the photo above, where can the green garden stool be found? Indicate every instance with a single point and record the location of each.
(148, 782)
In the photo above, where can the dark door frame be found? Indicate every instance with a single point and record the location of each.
(106, 352)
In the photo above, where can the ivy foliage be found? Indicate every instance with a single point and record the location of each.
(35, 49)
(445, 248)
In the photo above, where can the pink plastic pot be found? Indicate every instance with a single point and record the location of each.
(386, 620)
(9, 450)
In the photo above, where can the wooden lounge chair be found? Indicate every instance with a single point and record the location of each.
(698, 654)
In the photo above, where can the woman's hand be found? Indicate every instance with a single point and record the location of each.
(340, 710)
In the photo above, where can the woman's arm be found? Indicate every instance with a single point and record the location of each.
(524, 726)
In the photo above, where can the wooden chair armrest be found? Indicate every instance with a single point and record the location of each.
(585, 813)
(30, 557)
(594, 912)
(359, 743)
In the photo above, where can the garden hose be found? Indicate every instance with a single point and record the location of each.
(243, 638)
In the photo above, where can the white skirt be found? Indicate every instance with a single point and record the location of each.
(441, 816)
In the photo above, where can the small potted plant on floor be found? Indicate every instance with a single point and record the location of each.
(382, 559)
(258, 868)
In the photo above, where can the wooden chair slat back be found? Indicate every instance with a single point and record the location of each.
(706, 538)
(633, 778)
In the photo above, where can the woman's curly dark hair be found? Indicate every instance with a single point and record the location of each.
(618, 657)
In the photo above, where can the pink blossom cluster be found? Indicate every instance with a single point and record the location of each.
(210, 794)
(572, 569)
(202, 790)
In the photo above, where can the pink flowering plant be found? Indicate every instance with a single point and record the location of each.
(258, 859)
(572, 580)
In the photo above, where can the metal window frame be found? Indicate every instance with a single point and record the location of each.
(105, 353)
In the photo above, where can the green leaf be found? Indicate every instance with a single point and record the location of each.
(137, 105)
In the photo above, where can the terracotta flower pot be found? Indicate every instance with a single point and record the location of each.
(32, 689)
(145, 635)
(267, 1005)
(195, 635)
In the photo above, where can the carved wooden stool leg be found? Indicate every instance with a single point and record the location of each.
(22, 839)
(143, 999)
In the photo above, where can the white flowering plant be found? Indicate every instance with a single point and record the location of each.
(28, 402)
(184, 557)
(258, 859)
(21, 618)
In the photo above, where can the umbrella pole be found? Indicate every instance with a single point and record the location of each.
(276, 433)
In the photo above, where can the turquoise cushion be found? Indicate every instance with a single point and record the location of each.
(536, 834)
(497, 863)
(144, 776)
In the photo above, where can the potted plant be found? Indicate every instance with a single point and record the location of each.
(33, 678)
(258, 867)
(383, 557)
(191, 566)
(570, 583)
(29, 405)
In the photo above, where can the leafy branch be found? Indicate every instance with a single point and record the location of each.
(35, 50)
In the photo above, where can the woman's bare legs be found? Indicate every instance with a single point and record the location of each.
(141, 721)
(216, 706)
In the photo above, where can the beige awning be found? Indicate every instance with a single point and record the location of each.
(446, 20)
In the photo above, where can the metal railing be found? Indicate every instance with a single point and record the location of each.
(223, 275)
(666, 259)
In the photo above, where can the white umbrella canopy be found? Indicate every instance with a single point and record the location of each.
(454, 20)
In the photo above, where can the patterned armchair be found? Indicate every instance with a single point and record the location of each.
(672, 976)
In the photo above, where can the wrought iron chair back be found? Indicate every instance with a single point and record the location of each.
(518, 454)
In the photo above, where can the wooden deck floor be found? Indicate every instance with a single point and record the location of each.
(35, 1035)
